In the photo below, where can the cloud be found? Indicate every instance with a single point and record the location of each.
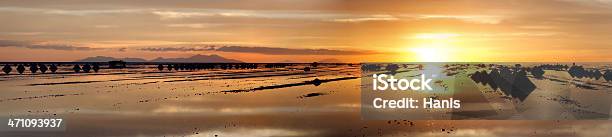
(105, 26)
(368, 18)
(259, 50)
(237, 48)
(262, 14)
(184, 49)
(174, 14)
(482, 19)
(171, 14)
(193, 25)
(90, 12)
(31, 45)
(71, 12)
(288, 51)
(22, 33)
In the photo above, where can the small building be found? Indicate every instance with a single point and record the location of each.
(116, 64)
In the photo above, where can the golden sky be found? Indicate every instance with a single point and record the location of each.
(308, 30)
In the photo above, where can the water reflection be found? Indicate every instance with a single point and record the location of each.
(195, 106)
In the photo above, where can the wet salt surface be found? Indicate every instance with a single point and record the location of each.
(282, 102)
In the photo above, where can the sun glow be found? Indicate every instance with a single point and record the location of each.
(435, 36)
(433, 47)
(431, 53)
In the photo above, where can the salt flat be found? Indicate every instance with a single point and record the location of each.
(143, 101)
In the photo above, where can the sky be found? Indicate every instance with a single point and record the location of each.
(309, 30)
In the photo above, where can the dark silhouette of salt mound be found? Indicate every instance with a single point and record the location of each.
(537, 72)
(76, 68)
(96, 67)
(169, 67)
(53, 68)
(392, 68)
(511, 82)
(86, 68)
(580, 72)
(370, 67)
(7, 69)
(316, 82)
(43, 68)
(160, 67)
(33, 68)
(607, 75)
(314, 64)
(20, 69)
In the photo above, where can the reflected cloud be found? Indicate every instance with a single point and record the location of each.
(243, 111)
(255, 132)
(580, 130)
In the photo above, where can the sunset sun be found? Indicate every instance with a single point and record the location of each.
(433, 47)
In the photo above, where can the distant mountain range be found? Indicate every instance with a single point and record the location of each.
(287, 61)
(331, 60)
(106, 59)
(193, 59)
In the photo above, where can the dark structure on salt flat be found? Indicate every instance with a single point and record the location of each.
(512, 82)
(116, 64)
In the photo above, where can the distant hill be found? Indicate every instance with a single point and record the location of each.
(193, 59)
(330, 61)
(106, 59)
(287, 61)
(199, 58)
